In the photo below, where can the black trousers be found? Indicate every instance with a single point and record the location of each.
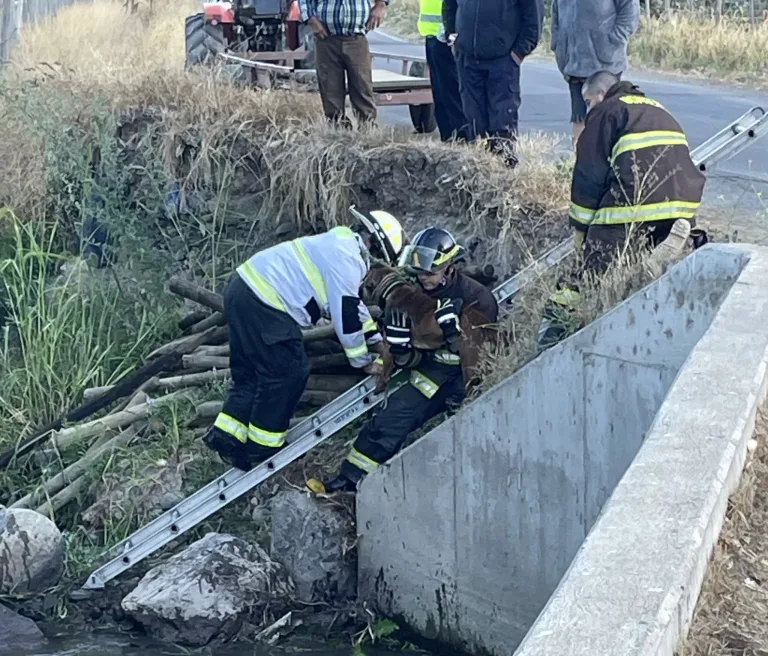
(407, 409)
(603, 242)
(444, 75)
(269, 373)
(490, 96)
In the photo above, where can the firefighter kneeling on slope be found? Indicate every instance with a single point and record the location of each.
(436, 381)
(270, 298)
(633, 181)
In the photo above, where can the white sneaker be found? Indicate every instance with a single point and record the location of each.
(673, 244)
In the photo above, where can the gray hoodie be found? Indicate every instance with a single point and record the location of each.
(591, 35)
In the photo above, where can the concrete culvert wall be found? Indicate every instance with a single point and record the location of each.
(466, 534)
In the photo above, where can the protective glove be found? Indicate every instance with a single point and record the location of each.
(397, 328)
(447, 315)
(578, 239)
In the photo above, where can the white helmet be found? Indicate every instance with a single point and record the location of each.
(386, 233)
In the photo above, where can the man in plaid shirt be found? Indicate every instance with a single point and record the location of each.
(341, 48)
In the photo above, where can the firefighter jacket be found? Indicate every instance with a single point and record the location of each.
(430, 370)
(430, 17)
(632, 164)
(318, 276)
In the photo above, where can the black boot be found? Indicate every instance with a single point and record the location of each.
(228, 449)
(340, 484)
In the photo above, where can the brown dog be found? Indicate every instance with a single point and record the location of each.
(386, 288)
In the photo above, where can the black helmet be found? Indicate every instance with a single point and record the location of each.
(433, 249)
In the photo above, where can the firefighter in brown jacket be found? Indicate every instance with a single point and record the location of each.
(633, 181)
(634, 176)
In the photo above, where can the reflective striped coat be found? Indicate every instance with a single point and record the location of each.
(632, 164)
(318, 276)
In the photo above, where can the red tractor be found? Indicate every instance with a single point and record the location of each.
(246, 26)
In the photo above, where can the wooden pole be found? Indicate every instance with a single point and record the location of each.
(125, 387)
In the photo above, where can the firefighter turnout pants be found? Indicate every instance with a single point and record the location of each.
(269, 370)
(433, 388)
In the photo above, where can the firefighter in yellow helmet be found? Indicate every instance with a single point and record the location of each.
(271, 297)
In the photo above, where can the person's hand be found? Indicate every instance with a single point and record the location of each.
(374, 369)
(516, 59)
(578, 239)
(317, 27)
(378, 12)
(452, 42)
(397, 329)
(447, 315)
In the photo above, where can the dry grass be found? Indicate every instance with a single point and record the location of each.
(261, 159)
(732, 50)
(730, 617)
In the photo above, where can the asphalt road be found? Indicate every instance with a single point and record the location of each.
(702, 109)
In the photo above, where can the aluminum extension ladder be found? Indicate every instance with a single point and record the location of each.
(355, 402)
(303, 437)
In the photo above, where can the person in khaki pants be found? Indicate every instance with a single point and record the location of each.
(341, 51)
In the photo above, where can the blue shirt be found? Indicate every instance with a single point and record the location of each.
(340, 17)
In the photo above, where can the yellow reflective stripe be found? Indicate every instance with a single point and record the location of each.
(356, 351)
(232, 427)
(638, 140)
(379, 360)
(426, 386)
(443, 257)
(362, 461)
(265, 437)
(640, 100)
(446, 357)
(581, 214)
(267, 292)
(343, 232)
(370, 325)
(567, 297)
(312, 272)
(673, 209)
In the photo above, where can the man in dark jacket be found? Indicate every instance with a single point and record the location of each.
(436, 380)
(633, 182)
(633, 171)
(492, 37)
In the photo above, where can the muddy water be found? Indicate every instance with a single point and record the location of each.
(115, 644)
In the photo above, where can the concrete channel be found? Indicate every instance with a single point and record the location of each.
(572, 508)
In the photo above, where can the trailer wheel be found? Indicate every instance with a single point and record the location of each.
(203, 40)
(422, 116)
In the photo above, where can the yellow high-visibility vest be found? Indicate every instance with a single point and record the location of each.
(430, 17)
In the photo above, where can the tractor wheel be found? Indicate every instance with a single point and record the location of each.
(203, 40)
(422, 116)
(306, 39)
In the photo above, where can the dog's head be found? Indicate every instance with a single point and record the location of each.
(377, 283)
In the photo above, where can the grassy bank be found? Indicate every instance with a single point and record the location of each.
(731, 50)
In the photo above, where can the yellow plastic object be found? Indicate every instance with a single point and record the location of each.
(316, 486)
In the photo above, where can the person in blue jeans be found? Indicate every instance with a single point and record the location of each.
(491, 38)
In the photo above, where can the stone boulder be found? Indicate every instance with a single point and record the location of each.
(18, 634)
(312, 538)
(31, 552)
(207, 591)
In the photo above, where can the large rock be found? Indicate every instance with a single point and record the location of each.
(312, 538)
(31, 552)
(207, 591)
(18, 634)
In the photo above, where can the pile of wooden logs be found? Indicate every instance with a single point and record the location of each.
(196, 359)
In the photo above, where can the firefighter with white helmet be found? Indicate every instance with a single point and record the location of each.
(271, 297)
